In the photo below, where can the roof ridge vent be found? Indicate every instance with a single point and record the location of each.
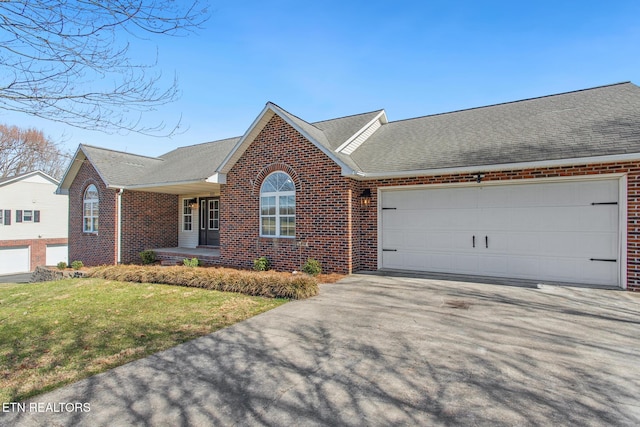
(352, 144)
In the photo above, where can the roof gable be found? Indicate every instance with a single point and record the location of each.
(314, 134)
(33, 176)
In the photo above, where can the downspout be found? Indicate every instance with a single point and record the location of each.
(119, 227)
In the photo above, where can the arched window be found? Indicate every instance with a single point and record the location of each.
(278, 206)
(90, 202)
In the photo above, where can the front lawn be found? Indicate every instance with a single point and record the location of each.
(54, 333)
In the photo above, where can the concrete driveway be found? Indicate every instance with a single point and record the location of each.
(375, 350)
(16, 278)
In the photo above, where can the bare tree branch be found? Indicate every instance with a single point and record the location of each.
(57, 55)
(26, 150)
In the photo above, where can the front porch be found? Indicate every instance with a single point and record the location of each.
(175, 256)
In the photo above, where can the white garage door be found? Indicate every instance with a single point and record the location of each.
(565, 232)
(57, 253)
(14, 260)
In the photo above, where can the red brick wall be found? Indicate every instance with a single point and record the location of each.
(92, 249)
(323, 204)
(149, 220)
(38, 248)
(368, 247)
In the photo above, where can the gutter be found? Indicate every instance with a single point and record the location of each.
(612, 158)
(119, 227)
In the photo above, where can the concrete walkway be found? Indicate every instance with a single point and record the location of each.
(382, 351)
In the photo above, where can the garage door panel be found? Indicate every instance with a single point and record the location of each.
(15, 260)
(523, 266)
(492, 218)
(465, 263)
(494, 265)
(418, 240)
(598, 218)
(523, 219)
(442, 240)
(56, 254)
(597, 272)
(542, 231)
(524, 243)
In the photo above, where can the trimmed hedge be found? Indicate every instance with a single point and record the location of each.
(265, 283)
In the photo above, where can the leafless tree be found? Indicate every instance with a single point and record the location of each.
(56, 58)
(26, 150)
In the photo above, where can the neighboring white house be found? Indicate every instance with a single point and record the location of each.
(34, 223)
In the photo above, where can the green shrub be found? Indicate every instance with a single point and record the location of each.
(269, 284)
(312, 267)
(261, 264)
(193, 262)
(148, 257)
(77, 265)
(61, 265)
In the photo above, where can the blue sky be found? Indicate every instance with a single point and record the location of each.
(328, 59)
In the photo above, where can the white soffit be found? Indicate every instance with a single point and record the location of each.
(358, 138)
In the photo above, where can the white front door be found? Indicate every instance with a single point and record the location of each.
(561, 231)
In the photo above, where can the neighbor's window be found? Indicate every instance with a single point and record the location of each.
(27, 216)
(278, 206)
(187, 214)
(90, 204)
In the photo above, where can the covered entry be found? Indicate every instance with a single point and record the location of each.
(209, 221)
(566, 231)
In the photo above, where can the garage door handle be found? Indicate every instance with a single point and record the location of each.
(486, 242)
(389, 250)
(474, 241)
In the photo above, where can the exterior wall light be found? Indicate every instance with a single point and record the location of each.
(365, 197)
(194, 204)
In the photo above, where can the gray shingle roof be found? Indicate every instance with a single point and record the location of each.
(340, 130)
(591, 122)
(118, 168)
(586, 123)
(193, 162)
(184, 164)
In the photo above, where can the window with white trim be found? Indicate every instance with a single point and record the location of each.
(90, 209)
(187, 214)
(278, 206)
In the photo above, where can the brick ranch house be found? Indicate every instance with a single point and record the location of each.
(546, 189)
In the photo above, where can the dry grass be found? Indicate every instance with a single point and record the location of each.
(54, 333)
(329, 278)
(269, 284)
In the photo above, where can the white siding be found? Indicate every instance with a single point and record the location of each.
(188, 239)
(34, 193)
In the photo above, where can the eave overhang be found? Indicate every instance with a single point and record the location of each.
(365, 176)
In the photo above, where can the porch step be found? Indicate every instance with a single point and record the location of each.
(208, 247)
(176, 256)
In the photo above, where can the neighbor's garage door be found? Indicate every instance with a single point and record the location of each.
(14, 260)
(56, 254)
(564, 231)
